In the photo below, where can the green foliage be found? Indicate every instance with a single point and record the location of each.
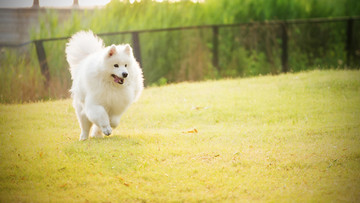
(286, 138)
(171, 54)
(19, 80)
(187, 54)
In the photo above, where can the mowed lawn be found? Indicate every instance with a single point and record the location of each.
(292, 137)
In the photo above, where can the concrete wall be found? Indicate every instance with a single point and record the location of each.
(16, 24)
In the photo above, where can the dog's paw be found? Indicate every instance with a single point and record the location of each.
(96, 135)
(106, 130)
(83, 137)
(96, 132)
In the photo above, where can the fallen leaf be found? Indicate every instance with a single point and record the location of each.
(199, 107)
(120, 178)
(63, 185)
(191, 131)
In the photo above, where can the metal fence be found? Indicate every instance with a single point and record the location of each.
(282, 24)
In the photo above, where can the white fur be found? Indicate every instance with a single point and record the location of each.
(97, 98)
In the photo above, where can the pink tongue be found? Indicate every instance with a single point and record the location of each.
(116, 79)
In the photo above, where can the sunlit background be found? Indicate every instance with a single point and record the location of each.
(66, 3)
(176, 40)
(51, 3)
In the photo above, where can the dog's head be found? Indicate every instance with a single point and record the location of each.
(118, 60)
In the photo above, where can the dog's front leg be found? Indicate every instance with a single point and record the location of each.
(97, 115)
(84, 122)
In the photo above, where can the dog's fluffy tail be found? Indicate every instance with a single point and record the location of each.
(81, 45)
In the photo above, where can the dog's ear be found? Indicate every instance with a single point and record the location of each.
(128, 49)
(112, 50)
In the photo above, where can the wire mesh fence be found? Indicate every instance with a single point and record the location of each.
(193, 53)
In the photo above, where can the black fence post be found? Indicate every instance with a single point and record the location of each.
(215, 50)
(42, 61)
(349, 39)
(284, 47)
(136, 44)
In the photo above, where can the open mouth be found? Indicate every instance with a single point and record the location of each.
(117, 79)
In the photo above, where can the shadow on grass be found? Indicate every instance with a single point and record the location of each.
(123, 140)
(119, 152)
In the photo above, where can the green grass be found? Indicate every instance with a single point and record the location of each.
(292, 137)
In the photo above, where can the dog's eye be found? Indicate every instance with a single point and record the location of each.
(125, 65)
(116, 65)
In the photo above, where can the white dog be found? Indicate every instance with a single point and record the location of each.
(106, 80)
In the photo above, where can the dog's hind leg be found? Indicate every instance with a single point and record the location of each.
(96, 132)
(114, 121)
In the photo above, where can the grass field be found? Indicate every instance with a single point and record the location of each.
(292, 137)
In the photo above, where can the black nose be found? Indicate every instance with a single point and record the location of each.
(125, 74)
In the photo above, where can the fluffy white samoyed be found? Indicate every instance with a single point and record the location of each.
(106, 80)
